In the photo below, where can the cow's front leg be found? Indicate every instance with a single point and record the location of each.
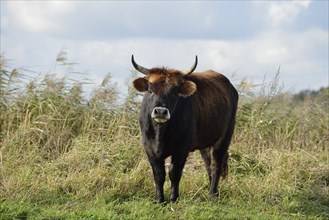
(159, 174)
(175, 174)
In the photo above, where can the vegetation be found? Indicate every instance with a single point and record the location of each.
(65, 156)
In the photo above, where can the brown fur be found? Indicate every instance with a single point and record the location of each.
(207, 86)
(140, 84)
(187, 88)
(161, 78)
(211, 90)
(169, 76)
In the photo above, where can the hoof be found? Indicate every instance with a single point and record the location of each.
(161, 201)
(214, 195)
(173, 198)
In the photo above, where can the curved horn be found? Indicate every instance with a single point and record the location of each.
(189, 71)
(138, 67)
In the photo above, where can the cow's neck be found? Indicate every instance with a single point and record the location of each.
(159, 139)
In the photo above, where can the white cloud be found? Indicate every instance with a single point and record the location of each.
(302, 54)
(209, 20)
(36, 16)
(286, 12)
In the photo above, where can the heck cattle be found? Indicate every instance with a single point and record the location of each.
(183, 111)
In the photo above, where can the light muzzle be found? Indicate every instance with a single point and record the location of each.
(160, 114)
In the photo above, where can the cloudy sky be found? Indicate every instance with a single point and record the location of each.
(248, 38)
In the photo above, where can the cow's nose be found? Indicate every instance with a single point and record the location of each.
(160, 114)
(160, 111)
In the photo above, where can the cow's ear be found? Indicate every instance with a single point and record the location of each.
(187, 89)
(140, 84)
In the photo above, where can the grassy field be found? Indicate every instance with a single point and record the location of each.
(65, 156)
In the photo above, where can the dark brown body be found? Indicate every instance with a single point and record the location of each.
(215, 106)
(201, 109)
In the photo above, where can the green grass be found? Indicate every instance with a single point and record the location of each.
(65, 156)
(275, 185)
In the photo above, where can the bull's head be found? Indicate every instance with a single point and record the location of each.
(164, 88)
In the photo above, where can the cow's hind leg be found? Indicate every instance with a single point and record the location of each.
(219, 160)
(218, 168)
(205, 153)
